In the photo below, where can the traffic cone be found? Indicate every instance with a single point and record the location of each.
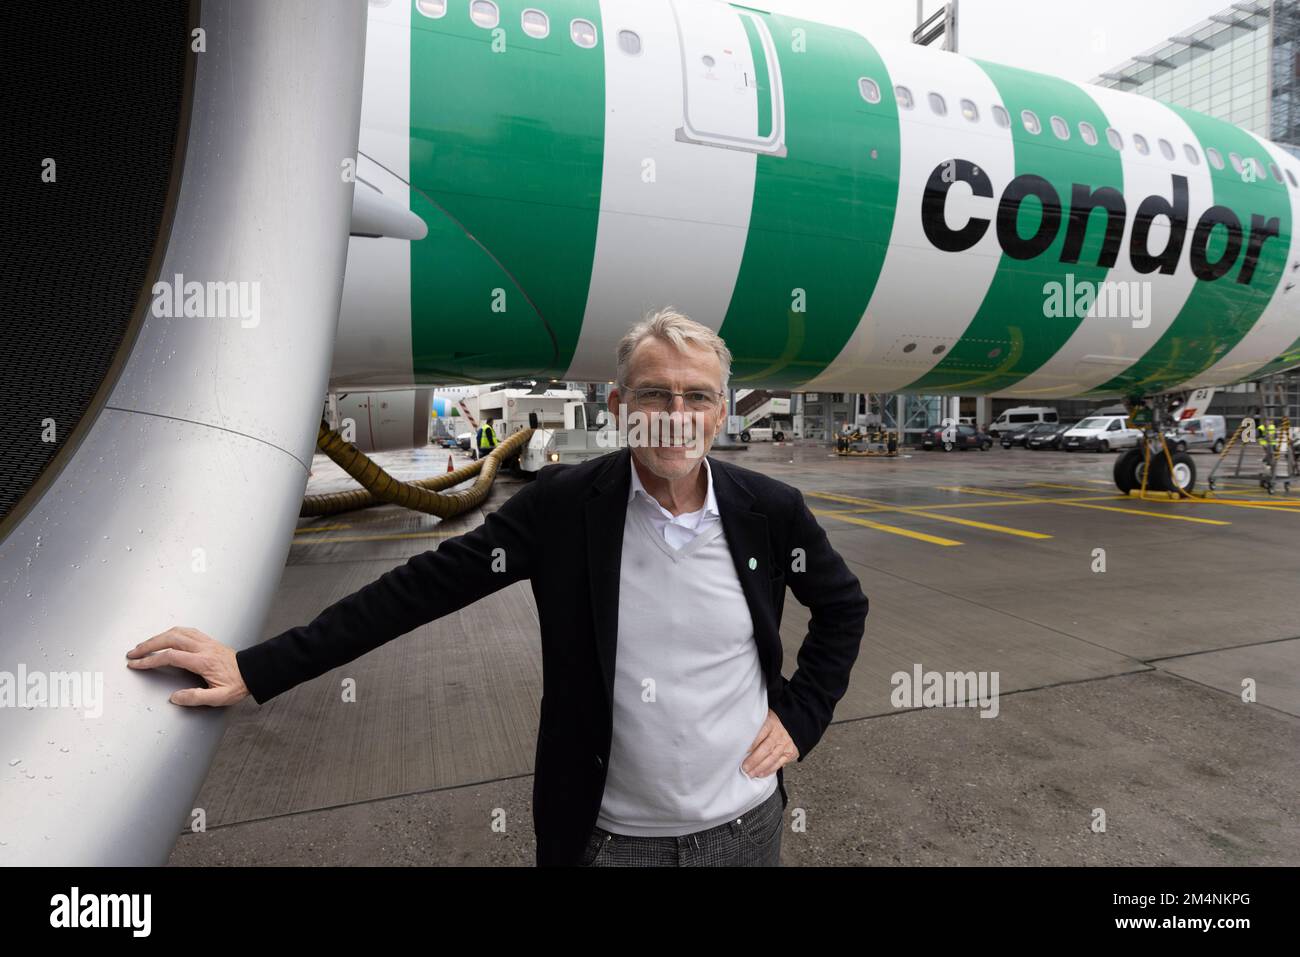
(450, 466)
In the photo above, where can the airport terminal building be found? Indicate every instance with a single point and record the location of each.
(1241, 64)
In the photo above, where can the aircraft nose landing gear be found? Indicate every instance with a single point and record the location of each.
(1153, 465)
(1151, 468)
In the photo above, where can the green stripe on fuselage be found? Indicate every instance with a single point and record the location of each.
(1012, 335)
(821, 216)
(507, 141)
(1218, 313)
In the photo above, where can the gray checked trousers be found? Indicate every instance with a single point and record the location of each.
(751, 840)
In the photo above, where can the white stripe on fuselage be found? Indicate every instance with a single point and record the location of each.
(683, 232)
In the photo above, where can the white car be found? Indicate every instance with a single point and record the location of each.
(1101, 433)
(1020, 415)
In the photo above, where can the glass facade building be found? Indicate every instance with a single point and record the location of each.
(1241, 65)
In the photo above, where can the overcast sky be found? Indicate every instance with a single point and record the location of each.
(1070, 38)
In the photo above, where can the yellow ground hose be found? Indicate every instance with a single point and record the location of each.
(380, 488)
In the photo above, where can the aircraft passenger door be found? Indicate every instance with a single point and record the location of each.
(731, 79)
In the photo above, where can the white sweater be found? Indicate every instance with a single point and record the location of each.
(683, 624)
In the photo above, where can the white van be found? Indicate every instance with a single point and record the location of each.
(1021, 415)
(1205, 431)
(1101, 432)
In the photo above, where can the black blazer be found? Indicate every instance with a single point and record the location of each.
(564, 532)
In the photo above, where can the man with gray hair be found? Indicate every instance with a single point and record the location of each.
(660, 575)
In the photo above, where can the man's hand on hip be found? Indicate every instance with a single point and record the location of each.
(194, 651)
(772, 748)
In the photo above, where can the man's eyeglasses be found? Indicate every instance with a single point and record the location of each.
(658, 400)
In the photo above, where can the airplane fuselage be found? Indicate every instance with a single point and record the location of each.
(848, 216)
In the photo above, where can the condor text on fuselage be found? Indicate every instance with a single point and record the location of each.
(1208, 264)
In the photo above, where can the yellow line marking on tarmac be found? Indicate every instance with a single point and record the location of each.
(877, 508)
(1077, 504)
(892, 529)
(1073, 488)
(321, 528)
(372, 538)
(1258, 502)
(1118, 494)
(1263, 505)
(1242, 489)
(921, 510)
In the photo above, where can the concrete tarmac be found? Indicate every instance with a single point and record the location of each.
(1122, 633)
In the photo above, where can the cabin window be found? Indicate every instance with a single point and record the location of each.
(869, 89)
(485, 14)
(1060, 128)
(1277, 174)
(433, 9)
(629, 41)
(1030, 119)
(1140, 144)
(938, 105)
(1001, 117)
(535, 23)
(1215, 157)
(583, 33)
(1088, 132)
(1114, 139)
(1193, 157)
(904, 97)
(970, 111)
(1235, 159)
(1166, 149)
(1291, 177)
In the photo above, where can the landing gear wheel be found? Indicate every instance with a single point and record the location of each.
(1183, 476)
(1128, 471)
(1158, 479)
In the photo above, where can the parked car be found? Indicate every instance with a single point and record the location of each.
(1100, 433)
(1022, 415)
(960, 437)
(1048, 436)
(1016, 434)
(1206, 432)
